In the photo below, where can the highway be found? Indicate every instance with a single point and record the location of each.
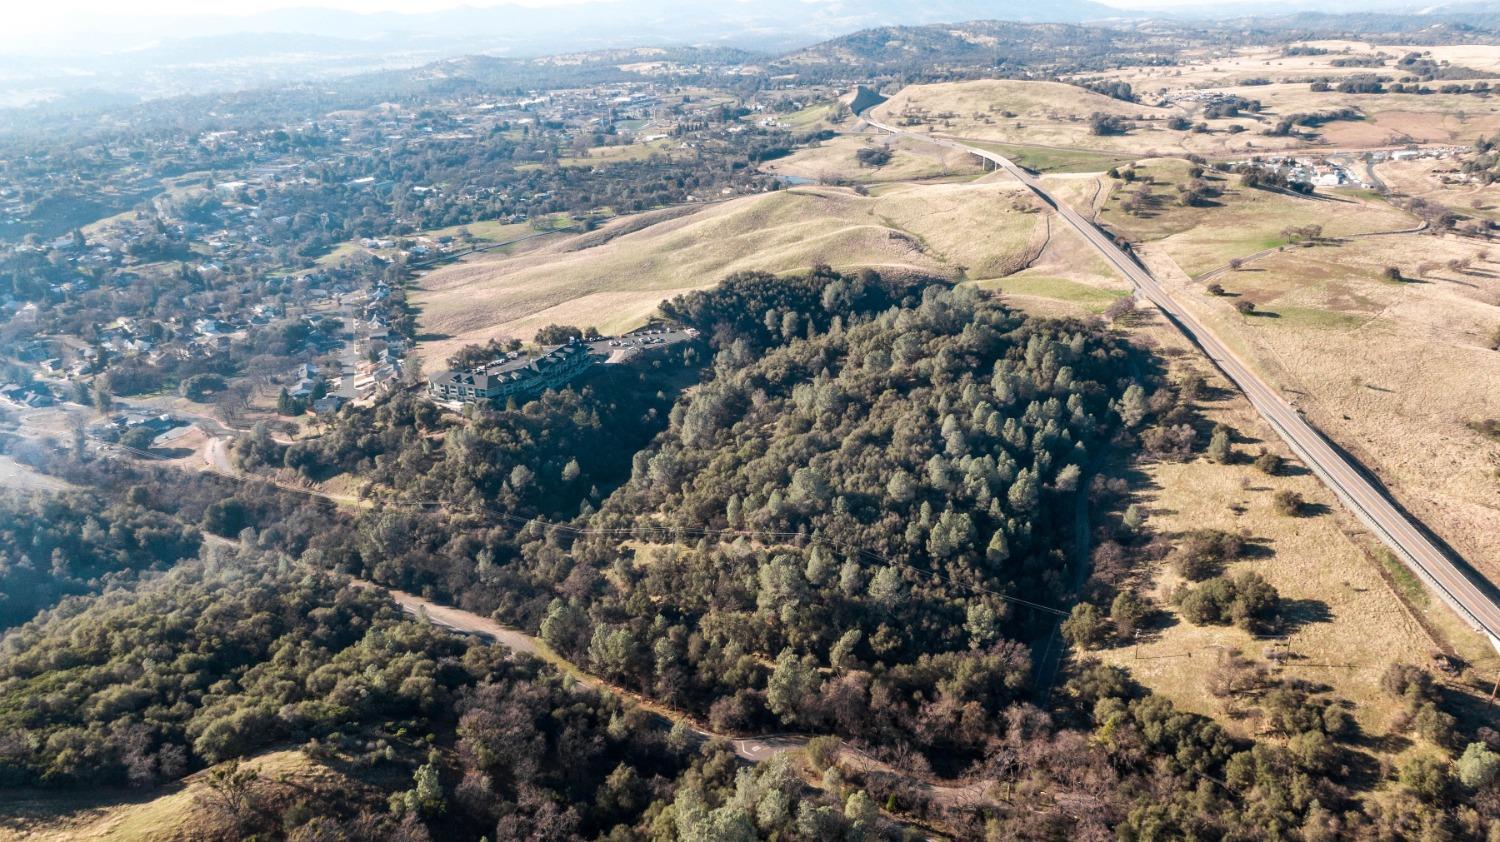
(1447, 576)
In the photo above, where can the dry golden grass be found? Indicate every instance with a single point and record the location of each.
(1440, 181)
(1347, 622)
(1055, 115)
(941, 230)
(1047, 114)
(1241, 222)
(1390, 118)
(179, 815)
(1068, 278)
(834, 160)
(1227, 68)
(1393, 371)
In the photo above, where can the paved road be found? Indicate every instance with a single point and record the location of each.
(1453, 581)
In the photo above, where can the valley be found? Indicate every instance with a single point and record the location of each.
(1009, 430)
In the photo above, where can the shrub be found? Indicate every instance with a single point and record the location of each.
(1269, 463)
(1219, 448)
(200, 386)
(1247, 601)
(1084, 627)
(1405, 680)
(1288, 503)
(138, 438)
(1204, 551)
(1427, 777)
(1129, 612)
(1107, 124)
(558, 334)
(1121, 309)
(823, 752)
(1478, 766)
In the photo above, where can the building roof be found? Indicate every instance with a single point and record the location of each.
(513, 367)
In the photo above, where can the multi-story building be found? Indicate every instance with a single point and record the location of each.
(516, 373)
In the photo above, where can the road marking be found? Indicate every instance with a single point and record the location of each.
(1380, 513)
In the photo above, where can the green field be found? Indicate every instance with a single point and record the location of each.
(1048, 160)
(1059, 289)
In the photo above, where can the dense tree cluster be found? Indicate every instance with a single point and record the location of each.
(1230, 106)
(214, 661)
(201, 665)
(1107, 124)
(1270, 178)
(1111, 88)
(893, 479)
(55, 546)
(759, 310)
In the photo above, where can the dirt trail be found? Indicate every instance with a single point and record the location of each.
(754, 749)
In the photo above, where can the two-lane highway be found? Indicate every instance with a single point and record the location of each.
(1450, 578)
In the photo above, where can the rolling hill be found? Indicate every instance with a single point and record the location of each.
(949, 230)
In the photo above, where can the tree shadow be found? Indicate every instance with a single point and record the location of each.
(1257, 548)
(1471, 711)
(1363, 770)
(1240, 437)
(1209, 393)
(1296, 613)
(1308, 509)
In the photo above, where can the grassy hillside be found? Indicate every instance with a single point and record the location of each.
(188, 811)
(1239, 221)
(835, 160)
(1396, 370)
(945, 230)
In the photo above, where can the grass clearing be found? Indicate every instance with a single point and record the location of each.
(340, 253)
(1241, 221)
(812, 115)
(834, 161)
(613, 154)
(489, 230)
(170, 813)
(1046, 160)
(1345, 623)
(945, 230)
(1092, 298)
(1391, 371)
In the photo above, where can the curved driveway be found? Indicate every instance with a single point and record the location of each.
(1452, 579)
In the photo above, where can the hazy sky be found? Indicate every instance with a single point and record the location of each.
(42, 16)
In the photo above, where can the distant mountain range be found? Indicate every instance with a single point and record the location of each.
(771, 25)
(107, 58)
